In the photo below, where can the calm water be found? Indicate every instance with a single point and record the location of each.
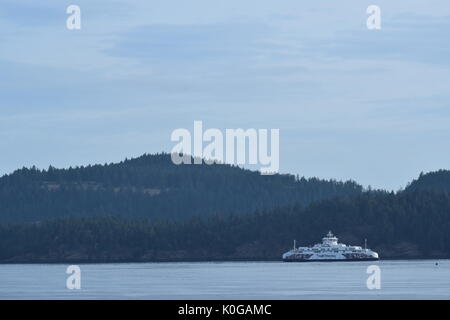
(419, 279)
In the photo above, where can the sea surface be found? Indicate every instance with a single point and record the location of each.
(401, 279)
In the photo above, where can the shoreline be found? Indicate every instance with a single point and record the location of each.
(199, 261)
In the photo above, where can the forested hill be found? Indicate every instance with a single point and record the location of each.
(151, 186)
(106, 213)
(402, 225)
(433, 181)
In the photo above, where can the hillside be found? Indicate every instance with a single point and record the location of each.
(151, 186)
(403, 225)
(432, 181)
(147, 209)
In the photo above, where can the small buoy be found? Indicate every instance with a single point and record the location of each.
(436, 263)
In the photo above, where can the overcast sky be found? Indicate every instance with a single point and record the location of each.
(350, 103)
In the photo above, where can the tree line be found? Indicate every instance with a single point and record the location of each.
(151, 186)
(407, 224)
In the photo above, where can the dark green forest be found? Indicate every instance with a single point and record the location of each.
(151, 186)
(404, 225)
(147, 209)
(433, 181)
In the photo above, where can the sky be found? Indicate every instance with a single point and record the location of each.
(351, 103)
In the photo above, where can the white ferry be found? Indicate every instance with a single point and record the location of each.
(330, 250)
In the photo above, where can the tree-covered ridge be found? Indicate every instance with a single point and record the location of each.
(151, 186)
(431, 181)
(402, 225)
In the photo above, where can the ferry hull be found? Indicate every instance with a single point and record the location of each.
(329, 260)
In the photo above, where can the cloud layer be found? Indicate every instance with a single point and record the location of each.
(350, 103)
